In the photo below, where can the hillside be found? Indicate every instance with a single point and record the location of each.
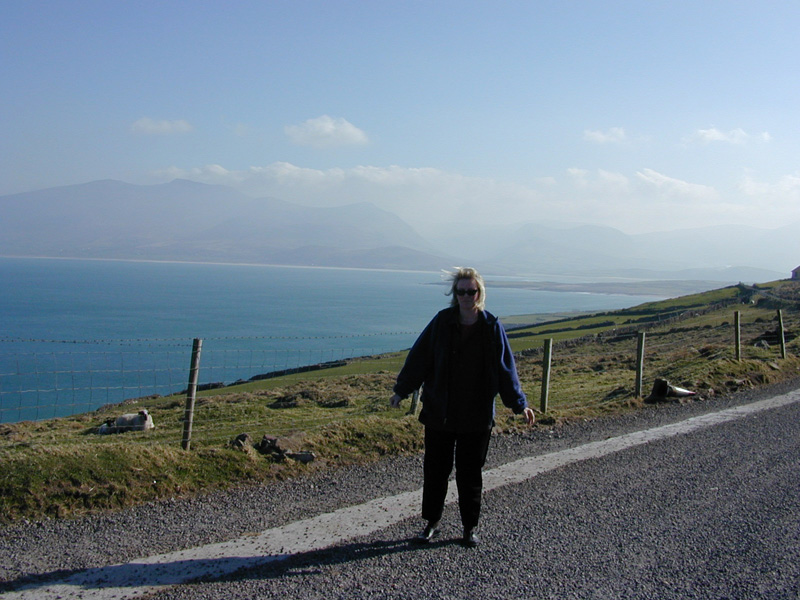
(341, 414)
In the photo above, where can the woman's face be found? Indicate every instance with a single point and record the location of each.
(463, 289)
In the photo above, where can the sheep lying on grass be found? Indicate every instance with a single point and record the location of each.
(141, 421)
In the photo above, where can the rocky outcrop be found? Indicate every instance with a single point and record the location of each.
(270, 446)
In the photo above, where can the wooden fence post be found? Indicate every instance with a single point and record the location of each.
(781, 336)
(737, 322)
(546, 360)
(639, 365)
(191, 393)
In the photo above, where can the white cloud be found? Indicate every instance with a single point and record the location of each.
(781, 195)
(577, 174)
(677, 187)
(217, 170)
(206, 174)
(734, 136)
(613, 135)
(613, 179)
(290, 177)
(148, 126)
(437, 202)
(326, 132)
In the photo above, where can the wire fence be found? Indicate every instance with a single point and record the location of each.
(36, 385)
(42, 379)
(712, 356)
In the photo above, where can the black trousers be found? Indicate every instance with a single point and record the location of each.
(469, 451)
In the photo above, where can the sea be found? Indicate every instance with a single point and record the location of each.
(79, 334)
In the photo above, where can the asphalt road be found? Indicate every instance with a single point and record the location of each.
(663, 506)
(710, 514)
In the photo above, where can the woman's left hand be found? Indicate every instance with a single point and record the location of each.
(529, 415)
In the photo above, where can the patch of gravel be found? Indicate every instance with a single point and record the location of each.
(32, 550)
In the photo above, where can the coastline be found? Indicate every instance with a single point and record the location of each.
(209, 262)
(663, 288)
(667, 288)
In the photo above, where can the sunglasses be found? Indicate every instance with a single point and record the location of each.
(469, 292)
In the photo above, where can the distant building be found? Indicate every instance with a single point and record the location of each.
(796, 273)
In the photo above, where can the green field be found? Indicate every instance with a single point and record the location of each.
(59, 468)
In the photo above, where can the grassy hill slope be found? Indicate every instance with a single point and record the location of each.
(59, 468)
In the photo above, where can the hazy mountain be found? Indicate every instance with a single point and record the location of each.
(726, 254)
(183, 220)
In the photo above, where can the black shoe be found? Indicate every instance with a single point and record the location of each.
(430, 532)
(470, 539)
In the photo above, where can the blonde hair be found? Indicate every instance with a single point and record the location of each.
(459, 273)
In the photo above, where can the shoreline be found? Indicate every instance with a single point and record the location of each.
(211, 263)
(661, 288)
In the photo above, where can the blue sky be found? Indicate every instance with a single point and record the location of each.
(469, 115)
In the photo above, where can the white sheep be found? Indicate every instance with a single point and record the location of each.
(141, 421)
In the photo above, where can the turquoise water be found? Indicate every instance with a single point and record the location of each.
(77, 334)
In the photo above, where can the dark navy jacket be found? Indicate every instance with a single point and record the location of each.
(429, 362)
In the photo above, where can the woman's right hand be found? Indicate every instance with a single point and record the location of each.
(395, 401)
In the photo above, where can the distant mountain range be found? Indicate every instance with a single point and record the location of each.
(716, 253)
(190, 221)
